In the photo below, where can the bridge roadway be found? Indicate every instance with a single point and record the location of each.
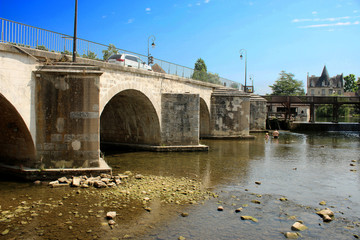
(311, 101)
(55, 113)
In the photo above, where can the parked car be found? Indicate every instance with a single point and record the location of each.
(129, 61)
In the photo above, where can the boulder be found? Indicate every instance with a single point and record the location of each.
(100, 184)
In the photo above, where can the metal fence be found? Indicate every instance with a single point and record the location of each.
(38, 38)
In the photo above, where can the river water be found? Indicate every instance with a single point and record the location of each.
(304, 168)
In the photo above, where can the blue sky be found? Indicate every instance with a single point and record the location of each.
(297, 36)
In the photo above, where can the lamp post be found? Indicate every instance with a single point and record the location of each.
(152, 37)
(75, 28)
(243, 53)
(251, 77)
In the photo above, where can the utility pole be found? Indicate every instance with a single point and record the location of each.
(75, 30)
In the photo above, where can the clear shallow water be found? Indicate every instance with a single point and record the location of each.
(304, 168)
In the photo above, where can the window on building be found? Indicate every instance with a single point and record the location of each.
(312, 92)
(339, 92)
(323, 92)
(330, 91)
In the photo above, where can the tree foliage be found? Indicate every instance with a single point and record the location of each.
(110, 51)
(286, 85)
(234, 85)
(350, 83)
(200, 73)
(90, 55)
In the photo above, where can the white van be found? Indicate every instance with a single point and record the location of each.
(129, 61)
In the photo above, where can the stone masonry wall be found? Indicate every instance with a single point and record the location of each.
(230, 115)
(180, 117)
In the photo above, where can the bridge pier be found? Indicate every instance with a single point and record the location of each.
(230, 114)
(67, 118)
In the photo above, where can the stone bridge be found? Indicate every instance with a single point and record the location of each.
(55, 113)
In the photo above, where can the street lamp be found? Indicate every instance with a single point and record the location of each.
(243, 53)
(251, 77)
(152, 37)
(75, 28)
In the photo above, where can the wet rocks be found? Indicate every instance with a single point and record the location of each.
(326, 214)
(249, 218)
(238, 209)
(322, 203)
(297, 226)
(283, 199)
(110, 215)
(291, 235)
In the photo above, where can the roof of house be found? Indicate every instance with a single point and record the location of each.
(325, 80)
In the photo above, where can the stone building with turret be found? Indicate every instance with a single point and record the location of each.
(325, 85)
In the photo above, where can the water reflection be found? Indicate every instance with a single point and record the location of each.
(305, 168)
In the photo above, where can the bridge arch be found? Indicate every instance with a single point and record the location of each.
(204, 119)
(130, 117)
(16, 144)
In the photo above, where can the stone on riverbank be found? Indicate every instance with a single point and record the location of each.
(291, 235)
(249, 218)
(111, 215)
(322, 203)
(326, 214)
(238, 209)
(220, 208)
(298, 227)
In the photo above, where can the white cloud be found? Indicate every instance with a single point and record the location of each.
(104, 16)
(321, 19)
(131, 20)
(189, 5)
(355, 11)
(314, 12)
(328, 25)
(206, 1)
(148, 9)
(356, 23)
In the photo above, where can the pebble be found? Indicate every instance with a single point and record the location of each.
(258, 182)
(220, 208)
(249, 218)
(239, 209)
(283, 199)
(184, 214)
(322, 203)
(256, 201)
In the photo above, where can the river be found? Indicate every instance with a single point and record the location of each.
(303, 169)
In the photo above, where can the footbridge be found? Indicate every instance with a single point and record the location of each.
(55, 113)
(312, 101)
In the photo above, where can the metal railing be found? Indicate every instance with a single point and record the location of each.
(42, 39)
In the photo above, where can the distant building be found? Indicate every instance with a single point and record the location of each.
(325, 85)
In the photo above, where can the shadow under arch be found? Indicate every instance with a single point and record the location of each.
(16, 144)
(204, 119)
(129, 118)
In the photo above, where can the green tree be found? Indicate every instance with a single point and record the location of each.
(200, 65)
(350, 83)
(90, 55)
(110, 51)
(286, 85)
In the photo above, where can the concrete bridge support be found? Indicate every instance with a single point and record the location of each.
(67, 116)
(230, 114)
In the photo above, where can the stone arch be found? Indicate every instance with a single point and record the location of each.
(130, 117)
(16, 144)
(204, 119)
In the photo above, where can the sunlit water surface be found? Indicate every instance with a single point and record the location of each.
(304, 168)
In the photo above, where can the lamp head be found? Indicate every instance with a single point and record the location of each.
(241, 56)
(153, 45)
